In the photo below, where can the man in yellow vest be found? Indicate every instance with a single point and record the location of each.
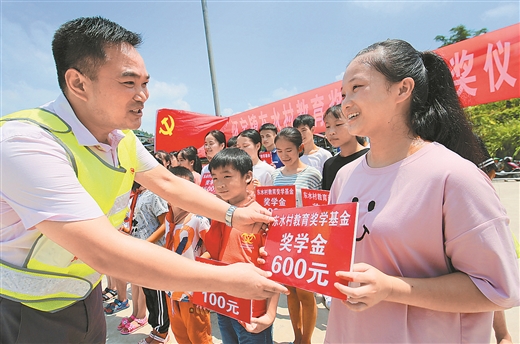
(66, 173)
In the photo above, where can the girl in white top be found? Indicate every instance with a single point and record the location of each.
(250, 141)
(214, 142)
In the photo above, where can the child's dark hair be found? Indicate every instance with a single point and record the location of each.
(336, 111)
(435, 113)
(232, 142)
(254, 136)
(218, 135)
(304, 119)
(269, 126)
(135, 186)
(234, 157)
(183, 172)
(190, 153)
(163, 156)
(292, 135)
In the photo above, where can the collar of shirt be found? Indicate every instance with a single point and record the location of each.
(62, 108)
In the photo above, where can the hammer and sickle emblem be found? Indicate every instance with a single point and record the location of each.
(168, 127)
(248, 238)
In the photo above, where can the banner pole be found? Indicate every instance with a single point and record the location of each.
(210, 58)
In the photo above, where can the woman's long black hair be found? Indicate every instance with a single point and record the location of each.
(436, 113)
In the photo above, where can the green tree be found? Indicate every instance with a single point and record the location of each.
(458, 33)
(498, 124)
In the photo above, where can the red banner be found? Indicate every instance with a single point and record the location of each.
(307, 246)
(314, 197)
(486, 68)
(222, 303)
(177, 129)
(276, 197)
(283, 112)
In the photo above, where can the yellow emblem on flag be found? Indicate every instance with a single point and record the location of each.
(167, 126)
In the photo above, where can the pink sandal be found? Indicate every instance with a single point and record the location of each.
(135, 325)
(125, 321)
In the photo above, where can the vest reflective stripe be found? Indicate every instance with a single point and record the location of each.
(58, 289)
(52, 278)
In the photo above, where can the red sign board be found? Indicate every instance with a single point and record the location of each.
(307, 246)
(276, 197)
(267, 157)
(206, 182)
(314, 197)
(222, 303)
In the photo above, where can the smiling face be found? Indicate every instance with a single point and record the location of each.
(368, 99)
(248, 146)
(115, 98)
(230, 184)
(212, 146)
(287, 152)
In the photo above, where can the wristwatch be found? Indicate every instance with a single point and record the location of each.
(229, 215)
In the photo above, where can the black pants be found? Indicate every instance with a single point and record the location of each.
(157, 309)
(83, 322)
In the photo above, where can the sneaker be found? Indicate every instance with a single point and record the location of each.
(327, 301)
(116, 306)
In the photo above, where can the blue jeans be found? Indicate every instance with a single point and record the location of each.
(234, 333)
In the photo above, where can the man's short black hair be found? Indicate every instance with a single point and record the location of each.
(81, 43)
(234, 157)
(269, 126)
(304, 119)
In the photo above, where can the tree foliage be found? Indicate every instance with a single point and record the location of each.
(459, 33)
(498, 124)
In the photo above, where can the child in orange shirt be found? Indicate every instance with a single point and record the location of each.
(232, 172)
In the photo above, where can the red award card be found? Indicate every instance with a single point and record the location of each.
(314, 197)
(207, 183)
(276, 197)
(307, 246)
(222, 303)
(267, 157)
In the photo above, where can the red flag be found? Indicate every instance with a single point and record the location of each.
(177, 129)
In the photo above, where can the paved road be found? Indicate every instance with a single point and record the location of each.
(509, 193)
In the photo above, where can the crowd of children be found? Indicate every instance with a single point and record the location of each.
(401, 254)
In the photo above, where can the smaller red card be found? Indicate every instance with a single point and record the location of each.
(222, 303)
(267, 157)
(207, 183)
(276, 197)
(314, 197)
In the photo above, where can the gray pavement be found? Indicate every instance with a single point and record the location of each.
(509, 193)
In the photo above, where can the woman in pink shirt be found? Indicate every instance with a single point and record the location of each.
(434, 255)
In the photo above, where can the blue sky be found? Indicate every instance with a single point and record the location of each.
(263, 50)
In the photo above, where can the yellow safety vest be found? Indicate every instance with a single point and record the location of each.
(53, 278)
